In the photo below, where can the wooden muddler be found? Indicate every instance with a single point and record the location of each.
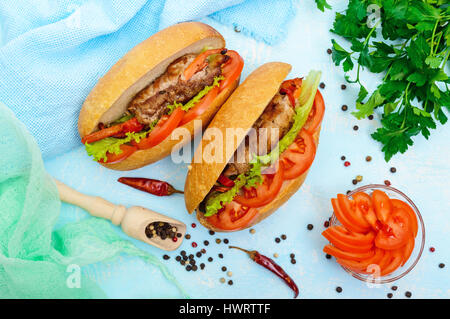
(133, 220)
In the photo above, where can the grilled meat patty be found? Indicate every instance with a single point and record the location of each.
(278, 115)
(150, 103)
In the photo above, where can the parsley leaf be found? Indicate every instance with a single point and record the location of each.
(412, 56)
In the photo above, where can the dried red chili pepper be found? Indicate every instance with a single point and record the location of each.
(152, 186)
(268, 263)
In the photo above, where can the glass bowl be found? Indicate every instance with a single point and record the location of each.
(419, 240)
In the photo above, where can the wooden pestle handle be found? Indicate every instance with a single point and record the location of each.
(95, 205)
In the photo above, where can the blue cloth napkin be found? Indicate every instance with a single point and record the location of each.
(53, 52)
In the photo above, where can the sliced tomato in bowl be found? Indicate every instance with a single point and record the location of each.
(363, 265)
(397, 203)
(264, 193)
(233, 216)
(363, 203)
(341, 254)
(395, 262)
(408, 249)
(343, 219)
(341, 243)
(349, 237)
(352, 214)
(395, 232)
(298, 157)
(382, 205)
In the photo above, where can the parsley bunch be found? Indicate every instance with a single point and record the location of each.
(413, 57)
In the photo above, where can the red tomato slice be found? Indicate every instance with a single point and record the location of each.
(200, 107)
(263, 194)
(396, 232)
(351, 238)
(341, 254)
(361, 266)
(396, 203)
(363, 204)
(162, 130)
(395, 262)
(292, 88)
(342, 244)
(408, 249)
(353, 215)
(316, 115)
(112, 158)
(199, 63)
(343, 219)
(233, 216)
(232, 69)
(299, 156)
(382, 205)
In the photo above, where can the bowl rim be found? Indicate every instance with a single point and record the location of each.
(382, 280)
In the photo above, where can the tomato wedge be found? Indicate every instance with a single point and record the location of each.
(350, 237)
(298, 157)
(199, 63)
(339, 253)
(395, 232)
(407, 250)
(342, 244)
(363, 203)
(292, 88)
(263, 194)
(232, 69)
(162, 130)
(361, 266)
(233, 216)
(316, 115)
(396, 203)
(200, 107)
(342, 218)
(112, 158)
(353, 215)
(382, 205)
(394, 263)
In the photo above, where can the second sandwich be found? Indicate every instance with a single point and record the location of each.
(280, 122)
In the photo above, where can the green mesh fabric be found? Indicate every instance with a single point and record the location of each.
(34, 257)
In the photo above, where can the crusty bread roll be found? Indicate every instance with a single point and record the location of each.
(241, 110)
(148, 60)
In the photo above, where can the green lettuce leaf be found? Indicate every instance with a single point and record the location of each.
(254, 176)
(98, 150)
(186, 107)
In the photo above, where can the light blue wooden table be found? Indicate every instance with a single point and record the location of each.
(423, 173)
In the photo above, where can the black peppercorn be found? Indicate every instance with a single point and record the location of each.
(292, 255)
(194, 267)
(199, 254)
(343, 157)
(188, 268)
(187, 236)
(344, 107)
(355, 128)
(210, 259)
(166, 257)
(183, 253)
(226, 241)
(230, 282)
(206, 243)
(339, 289)
(441, 265)
(393, 169)
(394, 288)
(343, 86)
(354, 182)
(283, 237)
(211, 232)
(322, 85)
(329, 51)
(224, 268)
(370, 117)
(277, 240)
(328, 256)
(310, 226)
(220, 255)
(202, 266)
(293, 261)
(390, 295)
(178, 258)
(408, 294)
